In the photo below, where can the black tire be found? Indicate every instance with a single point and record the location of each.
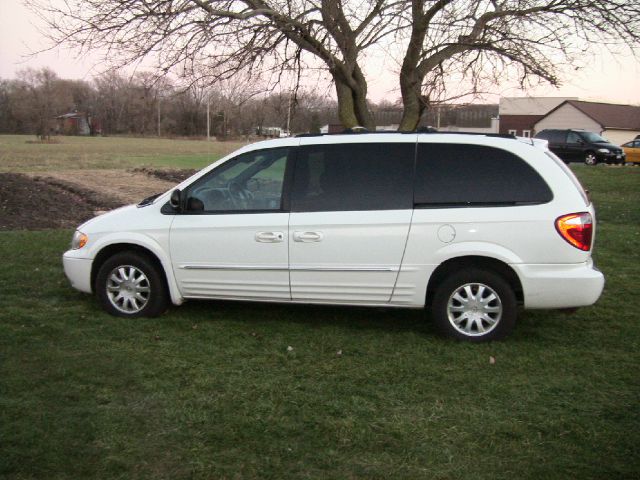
(468, 325)
(144, 286)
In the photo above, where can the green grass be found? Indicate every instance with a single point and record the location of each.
(210, 391)
(16, 155)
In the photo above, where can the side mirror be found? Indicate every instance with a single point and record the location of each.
(176, 199)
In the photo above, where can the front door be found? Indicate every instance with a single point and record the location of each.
(351, 207)
(232, 239)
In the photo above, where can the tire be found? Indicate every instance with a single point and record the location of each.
(487, 320)
(130, 285)
(590, 159)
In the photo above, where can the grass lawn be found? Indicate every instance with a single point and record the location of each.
(209, 390)
(16, 155)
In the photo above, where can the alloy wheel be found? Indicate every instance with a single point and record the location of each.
(128, 289)
(474, 309)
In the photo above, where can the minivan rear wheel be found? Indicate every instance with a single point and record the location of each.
(474, 305)
(130, 285)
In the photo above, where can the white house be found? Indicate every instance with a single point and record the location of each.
(518, 115)
(617, 123)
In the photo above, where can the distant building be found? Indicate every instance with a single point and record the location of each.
(618, 123)
(77, 123)
(272, 132)
(456, 118)
(332, 128)
(481, 118)
(518, 115)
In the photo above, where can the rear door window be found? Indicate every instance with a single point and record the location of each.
(449, 175)
(355, 176)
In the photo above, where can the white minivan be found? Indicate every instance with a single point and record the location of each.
(472, 226)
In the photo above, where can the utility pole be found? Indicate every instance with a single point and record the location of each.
(208, 119)
(289, 115)
(159, 115)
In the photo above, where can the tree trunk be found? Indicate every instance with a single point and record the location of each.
(414, 105)
(360, 101)
(346, 108)
(353, 110)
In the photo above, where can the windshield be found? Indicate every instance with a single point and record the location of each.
(593, 137)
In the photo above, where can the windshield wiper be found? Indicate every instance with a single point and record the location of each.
(148, 200)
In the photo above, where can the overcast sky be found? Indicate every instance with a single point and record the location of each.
(609, 79)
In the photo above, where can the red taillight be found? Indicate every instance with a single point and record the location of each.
(577, 229)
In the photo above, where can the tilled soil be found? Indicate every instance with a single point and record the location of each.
(125, 186)
(173, 175)
(36, 203)
(65, 199)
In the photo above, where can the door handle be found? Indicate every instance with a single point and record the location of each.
(270, 237)
(307, 236)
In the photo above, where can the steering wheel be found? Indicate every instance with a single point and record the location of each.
(239, 196)
(213, 198)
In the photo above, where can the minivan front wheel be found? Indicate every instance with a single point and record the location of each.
(474, 305)
(130, 285)
(590, 158)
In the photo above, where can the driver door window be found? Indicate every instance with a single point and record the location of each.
(252, 182)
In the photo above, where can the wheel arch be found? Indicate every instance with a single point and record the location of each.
(476, 261)
(109, 250)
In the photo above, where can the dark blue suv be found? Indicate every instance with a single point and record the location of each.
(574, 145)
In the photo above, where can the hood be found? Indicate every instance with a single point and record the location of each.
(96, 223)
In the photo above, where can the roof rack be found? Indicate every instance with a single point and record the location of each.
(494, 135)
(420, 130)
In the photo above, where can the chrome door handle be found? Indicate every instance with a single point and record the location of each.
(307, 236)
(270, 237)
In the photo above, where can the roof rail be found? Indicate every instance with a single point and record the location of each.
(421, 130)
(495, 135)
(349, 131)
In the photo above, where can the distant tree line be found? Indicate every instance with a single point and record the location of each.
(445, 49)
(113, 104)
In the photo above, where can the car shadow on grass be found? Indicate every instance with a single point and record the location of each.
(314, 316)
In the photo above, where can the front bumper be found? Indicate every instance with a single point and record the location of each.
(78, 271)
(560, 286)
(612, 157)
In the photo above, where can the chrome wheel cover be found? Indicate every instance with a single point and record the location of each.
(128, 289)
(590, 159)
(474, 309)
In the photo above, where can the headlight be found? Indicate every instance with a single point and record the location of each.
(79, 240)
(603, 150)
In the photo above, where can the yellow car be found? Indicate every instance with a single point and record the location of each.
(632, 149)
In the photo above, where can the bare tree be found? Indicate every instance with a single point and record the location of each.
(39, 97)
(214, 39)
(481, 39)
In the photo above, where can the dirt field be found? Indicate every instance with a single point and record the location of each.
(64, 199)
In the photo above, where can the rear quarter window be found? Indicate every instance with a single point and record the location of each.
(475, 175)
(567, 171)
